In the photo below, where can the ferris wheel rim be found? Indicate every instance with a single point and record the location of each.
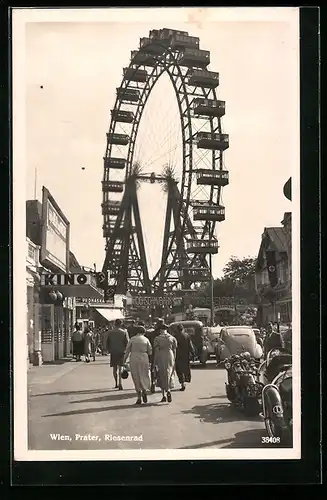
(187, 174)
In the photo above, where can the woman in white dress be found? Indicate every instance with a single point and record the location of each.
(165, 346)
(139, 349)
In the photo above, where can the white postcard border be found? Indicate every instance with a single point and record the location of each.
(20, 17)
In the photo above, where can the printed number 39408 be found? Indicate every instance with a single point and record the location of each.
(267, 439)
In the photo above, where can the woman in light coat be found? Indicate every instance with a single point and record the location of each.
(138, 350)
(165, 346)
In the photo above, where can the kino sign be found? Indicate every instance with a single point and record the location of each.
(65, 279)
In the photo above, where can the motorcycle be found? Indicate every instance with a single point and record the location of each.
(276, 373)
(243, 388)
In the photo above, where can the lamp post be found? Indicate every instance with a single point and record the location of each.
(212, 306)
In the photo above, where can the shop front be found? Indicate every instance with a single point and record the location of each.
(59, 310)
(57, 322)
(32, 301)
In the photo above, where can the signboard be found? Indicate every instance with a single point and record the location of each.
(89, 301)
(55, 234)
(154, 301)
(225, 308)
(206, 301)
(93, 302)
(68, 279)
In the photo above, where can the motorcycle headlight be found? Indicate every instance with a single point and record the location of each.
(228, 365)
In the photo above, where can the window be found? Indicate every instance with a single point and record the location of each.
(31, 252)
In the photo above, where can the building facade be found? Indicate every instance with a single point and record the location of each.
(34, 356)
(51, 310)
(273, 275)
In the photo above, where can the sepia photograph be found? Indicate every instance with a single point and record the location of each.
(156, 216)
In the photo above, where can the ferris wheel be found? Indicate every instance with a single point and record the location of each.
(194, 202)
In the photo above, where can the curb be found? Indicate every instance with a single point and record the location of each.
(44, 378)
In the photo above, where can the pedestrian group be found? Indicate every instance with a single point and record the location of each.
(151, 357)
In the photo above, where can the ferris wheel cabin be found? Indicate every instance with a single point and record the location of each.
(205, 211)
(127, 95)
(112, 187)
(206, 177)
(122, 116)
(181, 42)
(165, 35)
(209, 107)
(203, 78)
(205, 246)
(195, 58)
(108, 228)
(206, 140)
(118, 163)
(135, 75)
(110, 207)
(195, 274)
(140, 57)
(118, 139)
(152, 46)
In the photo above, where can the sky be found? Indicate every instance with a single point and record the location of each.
(72, 70)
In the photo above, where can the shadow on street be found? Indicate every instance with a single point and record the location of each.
(98, 410)
(206, 445)
(68, 393)
(207, 366)
(219, 413)
(215, 397)
(117, 396)
(58, 362)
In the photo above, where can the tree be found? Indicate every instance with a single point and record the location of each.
(240, 271)
(237, 281)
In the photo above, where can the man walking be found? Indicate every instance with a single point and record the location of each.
(116, 344)
(132, 329)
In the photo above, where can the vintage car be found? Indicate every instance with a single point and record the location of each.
(238, 339)
(198, 336)
(212, 333)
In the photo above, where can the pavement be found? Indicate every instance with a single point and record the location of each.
(73, 406)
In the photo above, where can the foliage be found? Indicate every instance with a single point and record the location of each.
(240, 271)
(237, 280)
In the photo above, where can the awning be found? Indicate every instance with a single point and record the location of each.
(110, 314)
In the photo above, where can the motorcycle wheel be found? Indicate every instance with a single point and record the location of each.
(252, 407)
(230, 393)
(275, 430)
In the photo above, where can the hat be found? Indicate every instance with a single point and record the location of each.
(162, 326)
(140, 329)
(124, 374)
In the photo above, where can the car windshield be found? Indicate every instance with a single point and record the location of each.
(239, 332)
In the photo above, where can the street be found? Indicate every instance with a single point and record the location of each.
(74, 406)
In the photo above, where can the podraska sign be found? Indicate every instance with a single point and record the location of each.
(67, 279)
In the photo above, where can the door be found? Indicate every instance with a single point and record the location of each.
(46, 322)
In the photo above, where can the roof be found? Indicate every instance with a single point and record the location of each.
(73, 263)
(287, 217)
(276, 238)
